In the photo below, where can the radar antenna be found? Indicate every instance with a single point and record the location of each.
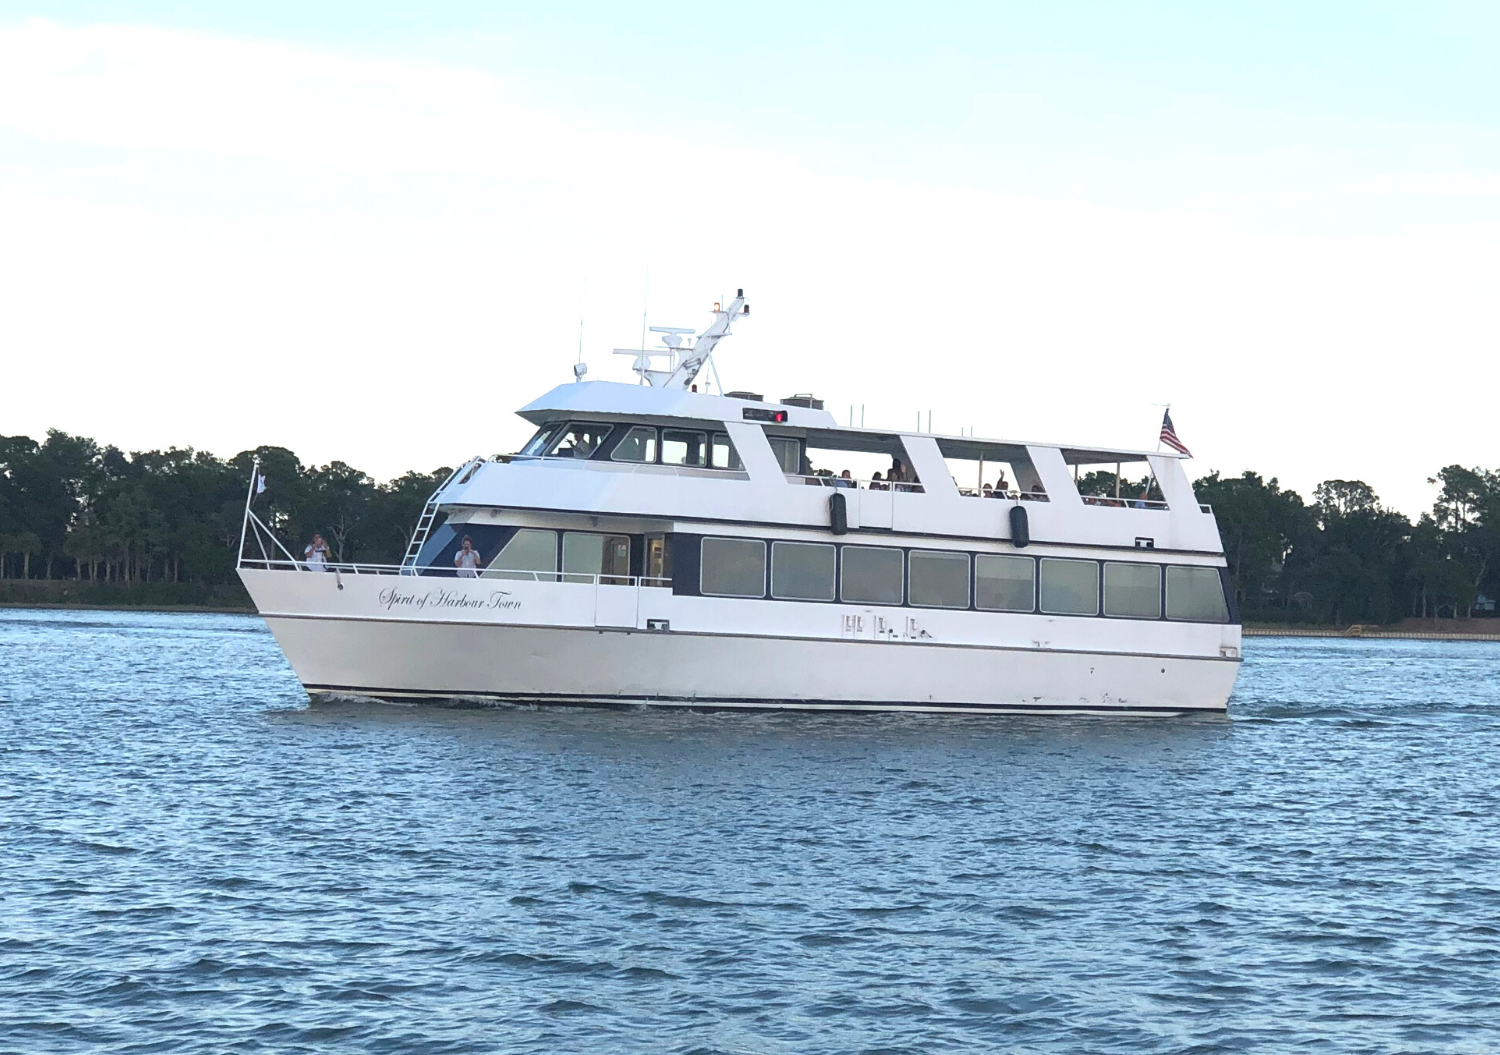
(684, 364)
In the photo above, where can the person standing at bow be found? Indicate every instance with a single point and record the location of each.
(315, 556)
(466, 560)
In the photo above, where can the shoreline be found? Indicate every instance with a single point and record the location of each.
(1355, 633)
(63, 606)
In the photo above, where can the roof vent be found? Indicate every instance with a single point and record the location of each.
(803, 399)
(755, 397)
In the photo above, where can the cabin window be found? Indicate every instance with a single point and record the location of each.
(658, 561)
(681, 447)
(802, 571)
(531, 554)
(788, 451)
(1069, 587)
(1132, 590)
(724, 454)
(1196, 595)
(586, 555)
(539, 443)
(938, 580)
(579, 440)
(732, 567)
(639, 445)
(871, 575)
(1004, 584)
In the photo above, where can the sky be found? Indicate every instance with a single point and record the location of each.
(371, 232)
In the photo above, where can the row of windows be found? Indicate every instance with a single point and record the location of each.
(678, 447)
(816, 571)
(638, 443)
(532, 554)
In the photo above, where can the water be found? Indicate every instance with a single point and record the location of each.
(193, 860)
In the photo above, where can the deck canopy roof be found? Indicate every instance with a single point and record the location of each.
(968, 447)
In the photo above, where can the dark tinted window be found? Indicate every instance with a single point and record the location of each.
(871, 575)
(733, 567)
(938, 580)
(1069, 587)
(1003, 583)
(802, 571)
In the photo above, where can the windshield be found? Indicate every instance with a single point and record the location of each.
(538, 443)
(579, 440)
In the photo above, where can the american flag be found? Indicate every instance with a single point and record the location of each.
(1169, 435)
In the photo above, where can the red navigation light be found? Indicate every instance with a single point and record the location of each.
(777, 417)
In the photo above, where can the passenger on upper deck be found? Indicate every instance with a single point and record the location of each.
(1001, 486)
(900, 479)
(1148, 494)
(1035, 493)
(809, 474)
(876, 483)
(987, 491)
(844, 480)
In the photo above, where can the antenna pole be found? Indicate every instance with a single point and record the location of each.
(645, 301)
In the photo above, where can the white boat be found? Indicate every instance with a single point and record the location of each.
(654, 545)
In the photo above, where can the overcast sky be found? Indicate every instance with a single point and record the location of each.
(369, 233)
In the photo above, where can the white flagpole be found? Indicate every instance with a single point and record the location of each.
(1166, 409)
(239, 555)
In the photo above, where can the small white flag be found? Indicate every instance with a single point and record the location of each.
(260, 483)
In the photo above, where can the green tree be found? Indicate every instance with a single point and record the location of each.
(1468, 511)
(1268, 536)
(1360, 568)
(338, 504)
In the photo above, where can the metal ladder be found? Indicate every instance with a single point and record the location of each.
(429, 514)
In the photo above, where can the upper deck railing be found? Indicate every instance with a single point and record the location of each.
(469, 574)
(915, 487)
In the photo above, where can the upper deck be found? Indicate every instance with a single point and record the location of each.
(683, 456)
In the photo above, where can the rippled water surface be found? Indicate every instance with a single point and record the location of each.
(192, 859)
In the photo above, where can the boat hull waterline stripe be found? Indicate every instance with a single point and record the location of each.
(730, 703)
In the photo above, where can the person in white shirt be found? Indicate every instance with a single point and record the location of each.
(315, 556)
(466, 560)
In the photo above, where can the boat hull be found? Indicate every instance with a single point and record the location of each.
(470, 641)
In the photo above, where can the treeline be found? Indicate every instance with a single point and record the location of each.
(1345, 558)
(70, 508)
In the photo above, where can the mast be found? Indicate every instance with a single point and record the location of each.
(682, 373)
(703, 347)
